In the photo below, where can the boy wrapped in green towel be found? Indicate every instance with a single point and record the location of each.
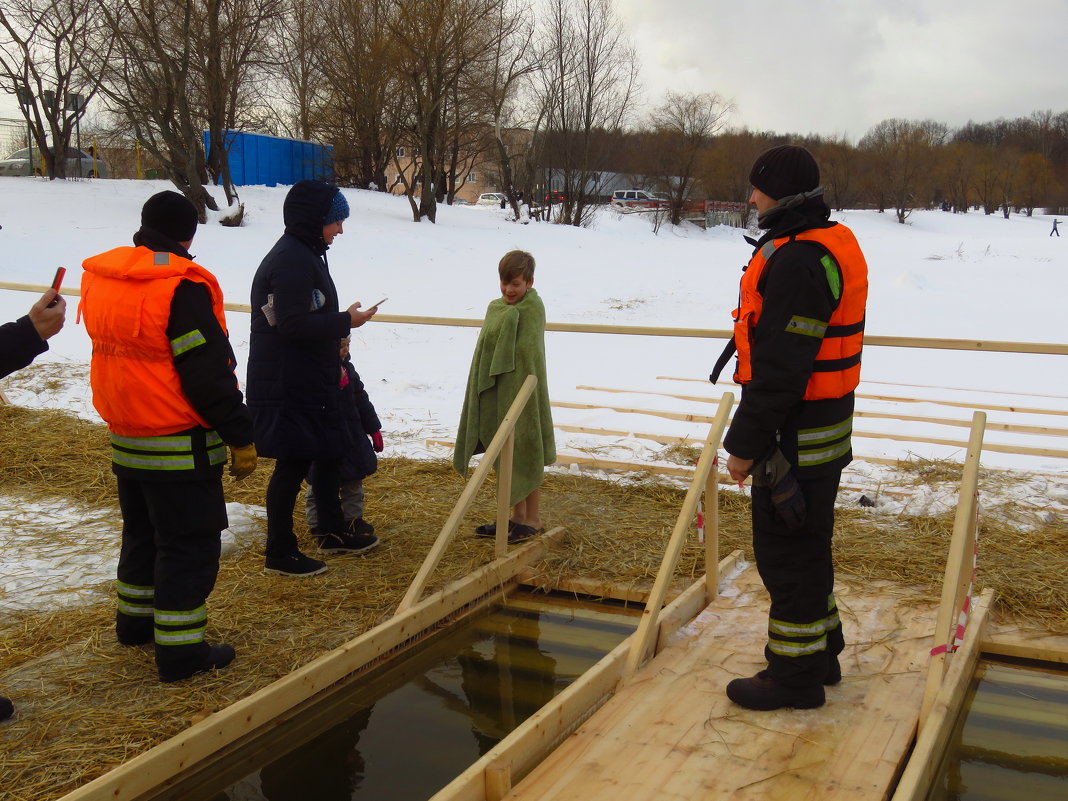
(510, 347)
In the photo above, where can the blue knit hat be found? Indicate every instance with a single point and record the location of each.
(338, 211)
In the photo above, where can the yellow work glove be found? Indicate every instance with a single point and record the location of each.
(242, 461)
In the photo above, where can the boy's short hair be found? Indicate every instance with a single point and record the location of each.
(516, 264)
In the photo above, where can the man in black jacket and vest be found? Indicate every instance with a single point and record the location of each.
(163, 380)
(20, 343)
(798, 333)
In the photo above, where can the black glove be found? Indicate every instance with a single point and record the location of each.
(776, 474)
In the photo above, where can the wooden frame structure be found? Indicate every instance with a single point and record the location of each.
(491, 777)
(219, 733)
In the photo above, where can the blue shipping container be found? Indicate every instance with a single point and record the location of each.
(258, 159)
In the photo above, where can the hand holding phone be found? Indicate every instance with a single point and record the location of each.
(379, 302)
(57, 282)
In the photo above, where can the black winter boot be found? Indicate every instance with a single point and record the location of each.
(360, 526)
(218, 656)
(763, 693)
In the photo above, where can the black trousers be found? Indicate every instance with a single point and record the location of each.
(168, 564)
(804, 632)
(282, 491)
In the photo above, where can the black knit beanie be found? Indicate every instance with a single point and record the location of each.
(171, 214)
(784, 171)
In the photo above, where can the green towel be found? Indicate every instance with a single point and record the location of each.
(510, 347)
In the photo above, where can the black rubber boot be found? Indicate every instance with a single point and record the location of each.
(763, 693)
(218, 656)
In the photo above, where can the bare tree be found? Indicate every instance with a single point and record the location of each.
(438, 41)
(589, 82)
(362, 103)
(904, 154)
(513, 60)
(148, 82)
(688, 122)
(230, 39)
(41, 64)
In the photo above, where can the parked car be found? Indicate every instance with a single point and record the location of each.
(79, 164)
(492, 199)
(635, 197)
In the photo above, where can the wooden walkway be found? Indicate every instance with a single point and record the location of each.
(670, 733)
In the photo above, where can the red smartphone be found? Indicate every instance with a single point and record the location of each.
(57, 282)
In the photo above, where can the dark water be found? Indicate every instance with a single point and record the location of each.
(407, 731)
(1011, 743)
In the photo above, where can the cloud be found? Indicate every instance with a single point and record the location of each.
(839, 68)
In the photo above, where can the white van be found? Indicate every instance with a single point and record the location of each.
(635, 197)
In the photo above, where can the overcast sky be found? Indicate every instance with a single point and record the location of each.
(838, 67)
(841, 66)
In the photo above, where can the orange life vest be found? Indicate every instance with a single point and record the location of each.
(836, 371)
(126, 304)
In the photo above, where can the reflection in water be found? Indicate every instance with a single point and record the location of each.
(1011, 743)
(406, 732)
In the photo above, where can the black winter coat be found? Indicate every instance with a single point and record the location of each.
(292, 388)
(360, 416)
(19, 345)
(772, 409)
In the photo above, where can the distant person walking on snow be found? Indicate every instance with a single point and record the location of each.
(1055, 231)
(20, 343)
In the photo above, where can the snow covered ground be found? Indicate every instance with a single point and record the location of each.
(941, 275)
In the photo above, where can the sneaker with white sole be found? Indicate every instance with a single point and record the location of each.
(296, 565)
(346, 542)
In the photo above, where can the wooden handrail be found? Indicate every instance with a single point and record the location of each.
(503, 438)
(645, 636)
(990, 346)
(959, 563)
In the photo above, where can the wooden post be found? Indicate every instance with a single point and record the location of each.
(644, 639)
(712, 530)
(504, 494)
(958, 567)
(448, 531)
(498, 779)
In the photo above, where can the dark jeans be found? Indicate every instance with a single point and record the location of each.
(282, 491)
(797, 570)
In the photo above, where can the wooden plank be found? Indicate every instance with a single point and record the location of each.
(986, 407)
(698, 418)
(944, 421)
(919, 772)
(670, 733)
(863, 381)
(1042, 647)
(989, 346)
(200, 741)
(529, 744)
(644, 639)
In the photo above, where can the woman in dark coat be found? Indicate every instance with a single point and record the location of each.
(292, 387)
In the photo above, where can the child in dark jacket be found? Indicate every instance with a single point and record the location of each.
(359, 461)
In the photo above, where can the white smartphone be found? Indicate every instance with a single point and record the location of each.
(379, 302)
